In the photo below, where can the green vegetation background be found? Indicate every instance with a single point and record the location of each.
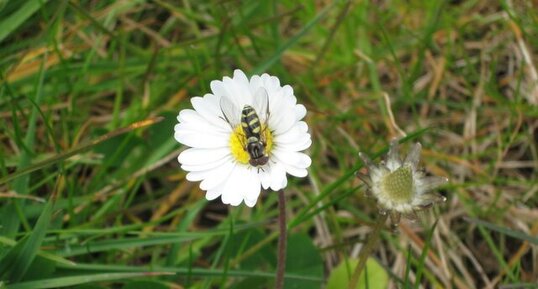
(91, 194)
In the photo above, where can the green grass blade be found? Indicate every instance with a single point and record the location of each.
(503, 230)
(198, 272)
(20, 258)
(424, 255)
(121, 244)
(514, 286)
(78, 280)
(79, 149)
(267, 64)
(49, 256)
(11, 23)
(11, 218)
(497, 252)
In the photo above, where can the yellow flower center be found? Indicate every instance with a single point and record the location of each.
(238, 143)
(398, 185)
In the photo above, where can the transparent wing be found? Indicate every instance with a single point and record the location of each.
(261, 104)
(231, 113)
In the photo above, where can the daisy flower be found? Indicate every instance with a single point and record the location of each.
(400, 187)
(245, 135)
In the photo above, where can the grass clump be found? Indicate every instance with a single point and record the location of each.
(91, 191)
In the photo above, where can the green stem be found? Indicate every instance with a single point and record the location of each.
(367, 250)
(282, 241)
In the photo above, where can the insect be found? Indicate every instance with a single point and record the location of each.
(251, 125)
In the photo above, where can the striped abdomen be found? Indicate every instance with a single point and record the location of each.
(251, 124)
(252, 128)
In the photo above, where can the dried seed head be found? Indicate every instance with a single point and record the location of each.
(400, 187)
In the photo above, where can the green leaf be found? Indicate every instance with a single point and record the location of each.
(376, 275)
(246, 239)
(251, 283)
(303, 258)
(41, 268)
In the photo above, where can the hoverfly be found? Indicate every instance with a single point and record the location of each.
(251, 125)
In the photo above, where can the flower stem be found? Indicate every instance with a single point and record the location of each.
(282, 241)
(367, 250)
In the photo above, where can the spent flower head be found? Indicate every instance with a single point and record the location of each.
(399, 186)
(245, 135)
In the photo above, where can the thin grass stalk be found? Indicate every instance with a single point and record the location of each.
(367, 250)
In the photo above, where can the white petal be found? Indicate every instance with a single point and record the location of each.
(376, 172)
(278, 177)
(185, 114)
(295, 139)
(282, 118)
(266, 81)
(230, 194)
(426, 184)
(227, 88)
(242, 82)
(300, 112)
(301, 145)
(196, 176)
(237, 93)
(265, 176)
(195, 131)
(294, 163)
(276, 98)
(296, 172)
(250, 203)
(202, 127)
(220, 170)
(260, 103)
(252, 187)
(208, 166)
(284, 182)
(218, 89)
(291, 136)
(302, 126)
(216, 177)
(288, 92)
(200, 140)
(393, 157)
(212, 194)
(295, 159)
(413, 157)
(209, 108)
(275, 82)
(255, 84)
(199, 156)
